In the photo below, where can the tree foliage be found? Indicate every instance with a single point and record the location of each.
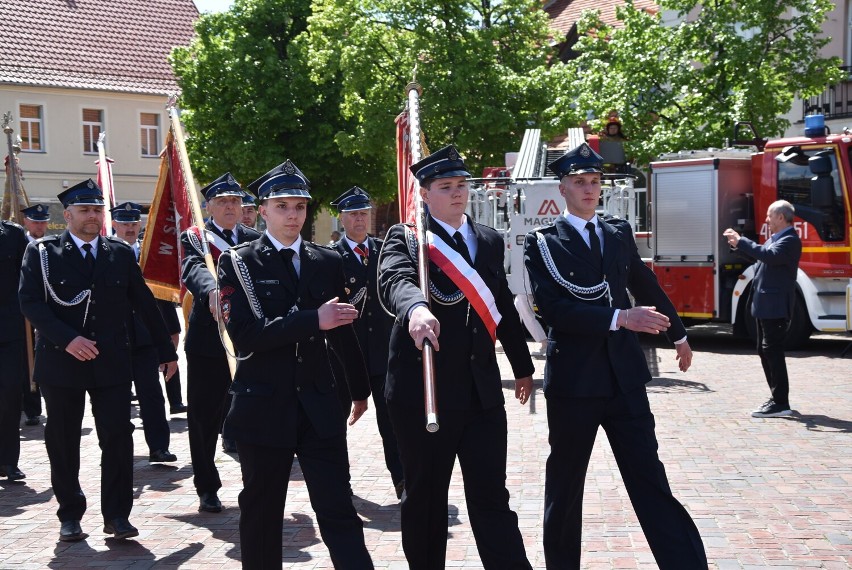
(682, 85)
(248, 101)
(321, 83)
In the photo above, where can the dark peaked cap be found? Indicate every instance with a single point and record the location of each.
(442, 163)
(353, 199)
(579, 160)
(85, 192)
(285, 180)
(225, 185)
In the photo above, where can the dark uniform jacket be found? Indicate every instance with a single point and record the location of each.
(466, 356)
(117, 287)
(584, 357)
(13, 242)
(202, 333)
(773, 291)
(373, 325)
(287, 356)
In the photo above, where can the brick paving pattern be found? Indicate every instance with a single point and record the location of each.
(765, 493)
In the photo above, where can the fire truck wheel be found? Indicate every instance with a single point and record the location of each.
(800, 325)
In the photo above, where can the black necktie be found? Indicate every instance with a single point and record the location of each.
(461, 246)
(229, 236)
(595, 244)
(88, 257)
(287, 255)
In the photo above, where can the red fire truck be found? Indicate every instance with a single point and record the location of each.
(696, 195)
(692, 197)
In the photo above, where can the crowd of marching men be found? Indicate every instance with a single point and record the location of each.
(287, 340)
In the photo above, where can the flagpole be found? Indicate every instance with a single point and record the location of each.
(18, 217)
(105, 180)
(198, 221)
(413, 92)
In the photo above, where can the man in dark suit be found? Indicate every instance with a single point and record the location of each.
(126, 221)
(773, 295)
(360, 254)
(207, 372)
(581, 269)
(13, 242)
(281, 304)
(36, 218)
(472, 308)
(78, 289)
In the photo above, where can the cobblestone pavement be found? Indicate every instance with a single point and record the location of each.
(765, 493)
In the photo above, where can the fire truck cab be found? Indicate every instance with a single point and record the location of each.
(696, 195)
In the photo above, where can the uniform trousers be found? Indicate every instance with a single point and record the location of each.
(111, 410)
(152, 404)
(173, 391)
(31, 403)
(770, 348)
(389, 445)
(11, 370)
(629, 426)
(478, 438)
(207, 382)
(266, 475)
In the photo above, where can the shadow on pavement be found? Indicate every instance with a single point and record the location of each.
(17, 496)
(673, 386)
(380, 517)
(81, 555)
(299, 532)
(221, 526)
(813, 422)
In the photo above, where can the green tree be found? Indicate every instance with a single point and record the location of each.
(321, 82)
(248, 101)
(477, 63)
(682, 85)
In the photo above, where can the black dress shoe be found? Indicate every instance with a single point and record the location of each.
(161, 456)
(179, 409)
(399, 488)
(70, 531)
(210, 503)
(11, 472)
(229, 445)
(33, 421)
(120, 528)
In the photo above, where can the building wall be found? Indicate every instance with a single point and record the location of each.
(62, 161)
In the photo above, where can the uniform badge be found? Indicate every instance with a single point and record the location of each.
(585, 151)
(289, 168)
(225, 302)
(453, 155)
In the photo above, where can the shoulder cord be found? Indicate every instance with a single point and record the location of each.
(252, 300)
(439, 297)
(194, 241)
(359, 297)
(48, 290)
(583, 293)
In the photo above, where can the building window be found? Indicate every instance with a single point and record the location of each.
(149, 134)
(93, 125)
(31, 128)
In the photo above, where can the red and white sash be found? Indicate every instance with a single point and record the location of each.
(467, 280)
(216, 243)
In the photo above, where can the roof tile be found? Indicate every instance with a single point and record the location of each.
(94, 44)
(565, 13)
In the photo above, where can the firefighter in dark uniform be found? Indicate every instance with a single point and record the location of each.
(13, 242)
(126, 221)
(360, 254)
(581, 268)
(285, 306)
(207, 372)
(78, 289)
(466, 318)
(36, 218)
